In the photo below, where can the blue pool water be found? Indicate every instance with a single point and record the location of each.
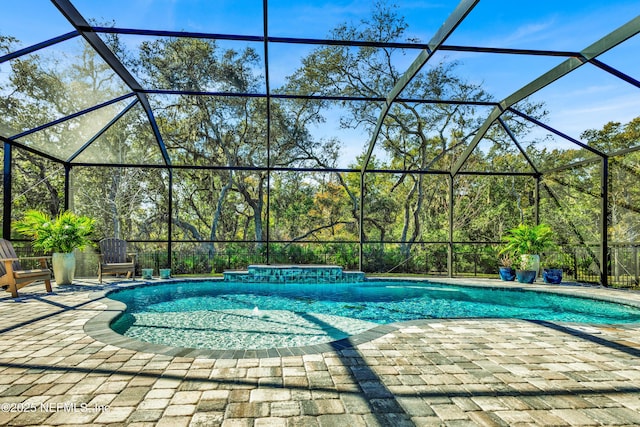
(220, 315)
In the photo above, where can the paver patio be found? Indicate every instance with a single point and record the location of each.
(461, 372)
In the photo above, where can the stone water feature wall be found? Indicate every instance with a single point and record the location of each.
(294, 273)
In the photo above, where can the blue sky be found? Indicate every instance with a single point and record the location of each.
(588, 99)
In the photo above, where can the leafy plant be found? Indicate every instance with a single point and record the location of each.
(64, 233)
(506, 260)
(529, 262)
(559, 260)
(528, 239)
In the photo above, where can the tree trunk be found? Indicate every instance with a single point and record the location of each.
(115, 219)
(405, 246)
(257, 217)
(218, 214)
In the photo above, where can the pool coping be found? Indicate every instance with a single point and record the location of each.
(99, 328)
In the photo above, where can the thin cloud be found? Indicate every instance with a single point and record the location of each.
(528, 33)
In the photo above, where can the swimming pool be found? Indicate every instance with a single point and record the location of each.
(217, 315)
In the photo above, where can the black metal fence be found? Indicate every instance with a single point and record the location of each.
(579, 263)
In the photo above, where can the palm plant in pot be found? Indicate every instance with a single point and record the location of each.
(528, 242)
(59, 236)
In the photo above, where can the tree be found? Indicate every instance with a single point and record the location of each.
(40, 89)
(229, 133)
(624, 195)
(417, 137)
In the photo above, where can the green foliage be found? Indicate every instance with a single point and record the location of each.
(506, 260)
(528, 239)
(377, 259)
(219, 264)
(193, 262)
(345, 255)
(558, 259)
(64, 233)
(406, 207)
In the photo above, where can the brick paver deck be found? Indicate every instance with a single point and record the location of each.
(470, 372)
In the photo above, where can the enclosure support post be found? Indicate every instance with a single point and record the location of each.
(536, 196)
(450, 248)
(361, 223)
(604, 221)
(170, 217)
(265, 26)
(6, 182)
(636, 280)
(67, 186)
(268, 221)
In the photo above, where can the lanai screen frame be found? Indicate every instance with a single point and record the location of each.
(139, 94)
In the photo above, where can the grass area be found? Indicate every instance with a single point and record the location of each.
(403, 275)
(198, 275)
(479, 275)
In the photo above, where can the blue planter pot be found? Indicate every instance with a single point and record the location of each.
(507, 274)
(526, 276)
(552, 276)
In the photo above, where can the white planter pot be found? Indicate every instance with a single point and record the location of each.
(64, 267)
(531, 262)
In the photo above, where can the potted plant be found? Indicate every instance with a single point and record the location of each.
(507, 273)
(552, 274)
(528, 242)
(58, 236)
(526, 273)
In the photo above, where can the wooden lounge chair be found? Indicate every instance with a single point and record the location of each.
(115, 259)
(14, 276)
